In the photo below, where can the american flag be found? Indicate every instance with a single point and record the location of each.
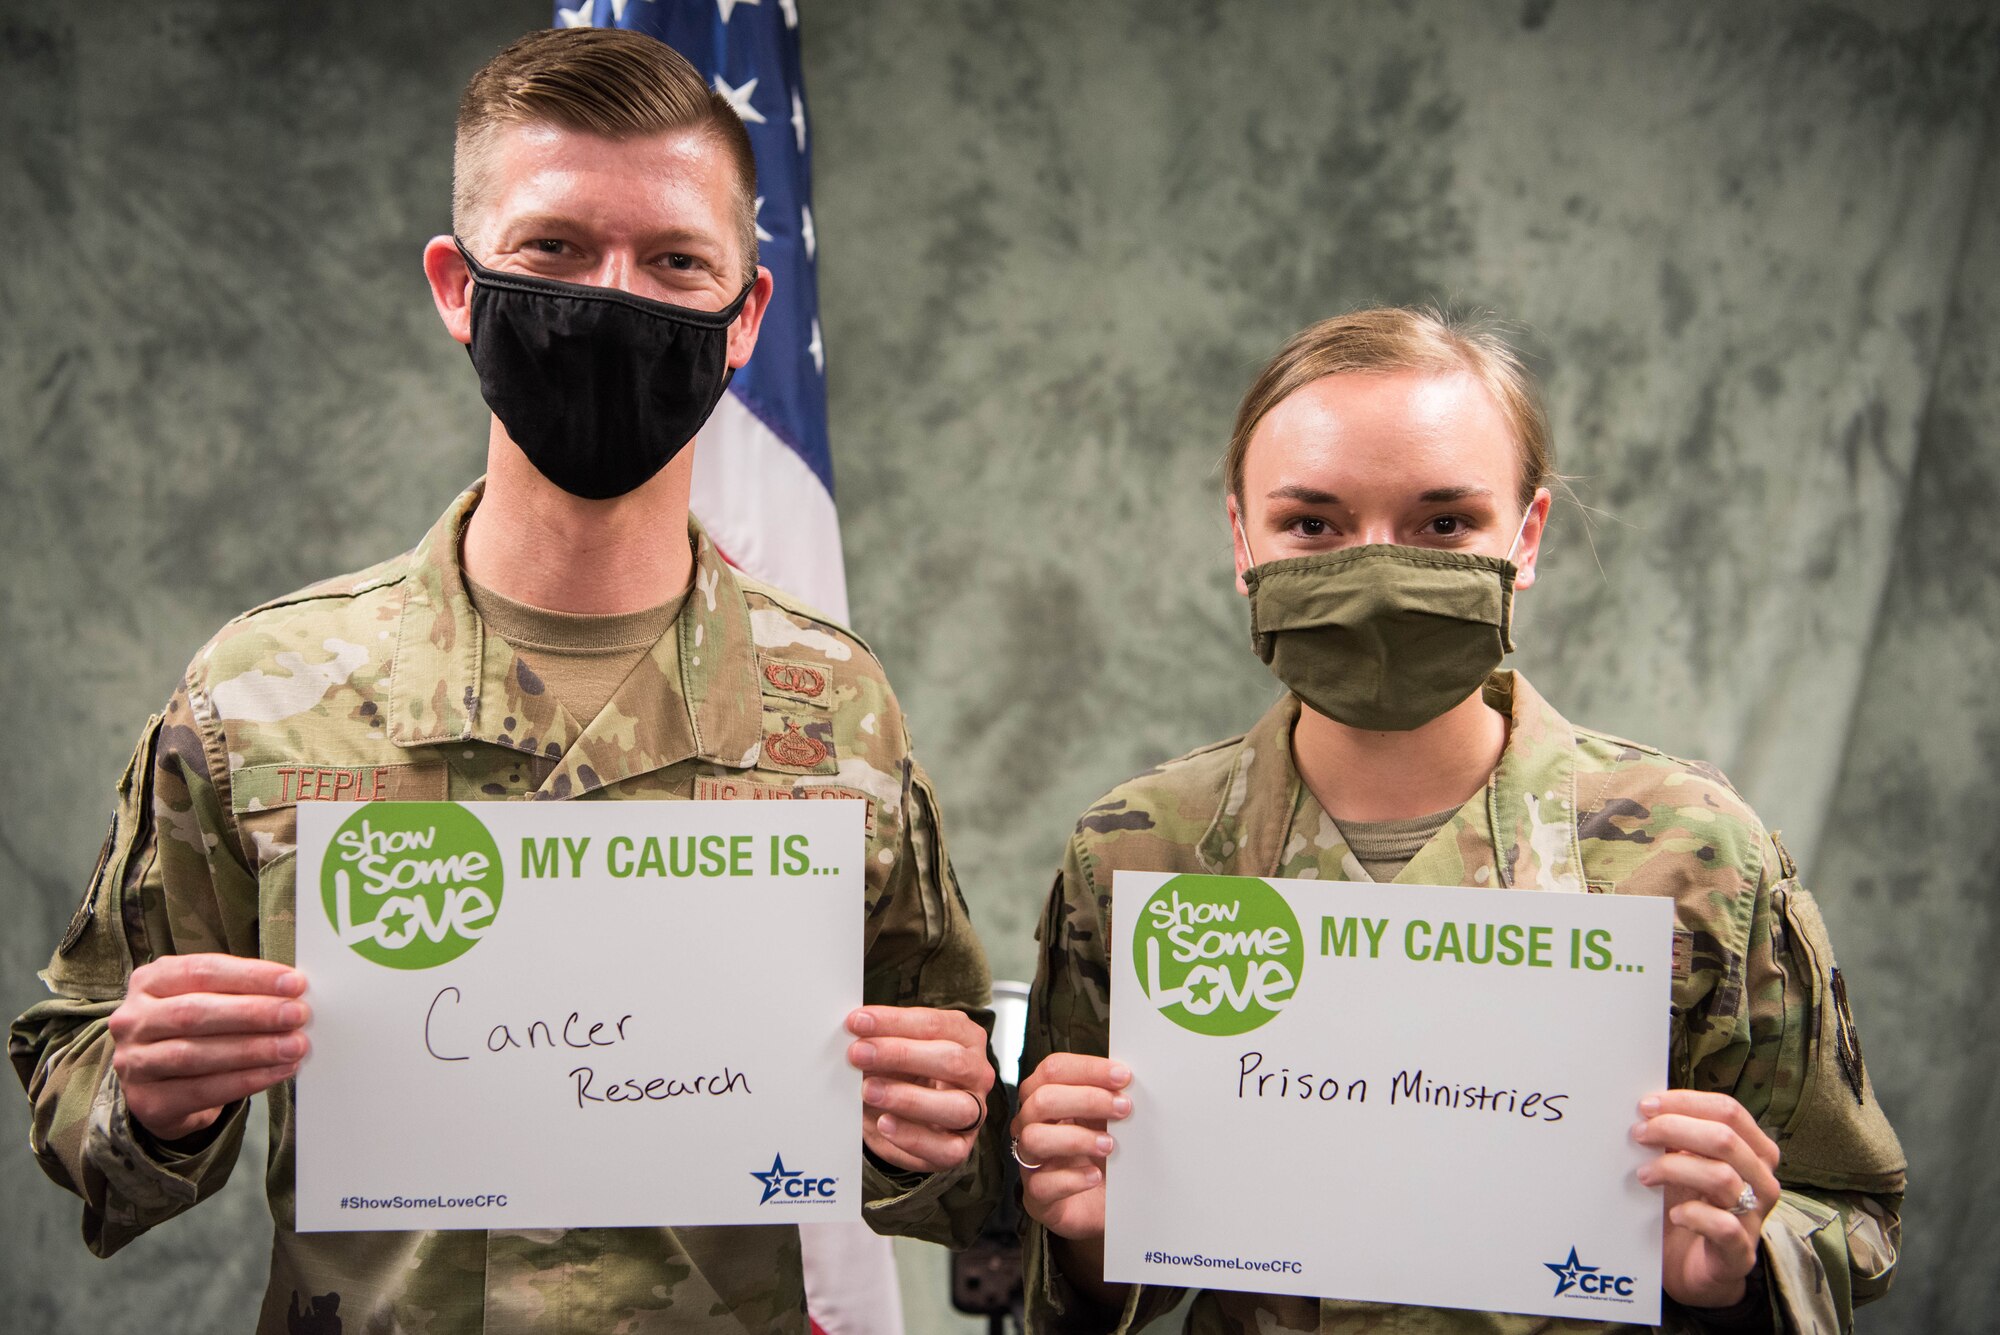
(763, 473)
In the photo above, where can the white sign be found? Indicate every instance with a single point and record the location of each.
(1404, 1094)
(579, 1014)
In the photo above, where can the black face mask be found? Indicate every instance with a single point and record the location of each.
(599, 388)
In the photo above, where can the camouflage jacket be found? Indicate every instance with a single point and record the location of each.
(1758, 1008)
(384, 685)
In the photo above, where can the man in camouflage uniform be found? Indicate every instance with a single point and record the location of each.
(1769, 1096)
(173, 999)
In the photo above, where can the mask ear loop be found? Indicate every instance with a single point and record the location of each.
(1523, 528)
(1237, 534)
(1508, 635)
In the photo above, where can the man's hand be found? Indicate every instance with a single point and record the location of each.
(196, 1033)
(1712, 1149)
(1066, 1105)
(924, 1098)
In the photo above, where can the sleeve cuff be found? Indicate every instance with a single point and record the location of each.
(1804, 1249)
(149, 1180)
(890, 1195)
(1056, 1306)
(1751, 1312)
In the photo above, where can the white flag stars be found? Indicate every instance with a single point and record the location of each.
(799, 119)
(580, 17)
(729, 6)
(758, 221)
(791, 8)
(817, 349)
(739, 99)
(806, 229)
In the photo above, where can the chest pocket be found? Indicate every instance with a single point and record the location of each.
(265, 802)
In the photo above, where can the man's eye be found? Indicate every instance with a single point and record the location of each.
(547, 245)
(682, 262)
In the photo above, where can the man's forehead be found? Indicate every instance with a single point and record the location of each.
(678, 185)
(529, 148)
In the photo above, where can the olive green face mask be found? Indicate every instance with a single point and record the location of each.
(1382, 637)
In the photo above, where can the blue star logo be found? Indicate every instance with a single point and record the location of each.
(774, 1181)
(1568, 1272)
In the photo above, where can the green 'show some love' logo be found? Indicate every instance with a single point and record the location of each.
(1218, 954)
(411, 884)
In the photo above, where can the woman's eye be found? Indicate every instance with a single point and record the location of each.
(1311, 528)
(1447, 526)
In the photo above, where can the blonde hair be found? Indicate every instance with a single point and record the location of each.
(1398, 338)
(603, 81)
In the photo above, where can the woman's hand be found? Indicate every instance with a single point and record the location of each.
(1060, 1138)
(1712, 1150)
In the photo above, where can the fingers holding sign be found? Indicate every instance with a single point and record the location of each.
(924, 1096)
(1062, 1138)
(197, 1033)
(1718, 1168)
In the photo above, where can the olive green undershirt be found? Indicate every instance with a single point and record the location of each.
(1385, 847)
(581, 658)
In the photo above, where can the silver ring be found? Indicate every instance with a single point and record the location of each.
(1014, 1148)
(978, 1112)
(1746, 1201)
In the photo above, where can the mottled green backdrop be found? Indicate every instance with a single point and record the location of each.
(1754, 249)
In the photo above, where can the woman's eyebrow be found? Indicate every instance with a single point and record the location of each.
(1445, 495)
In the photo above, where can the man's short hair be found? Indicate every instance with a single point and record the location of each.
(602, 81)
(1387, 339)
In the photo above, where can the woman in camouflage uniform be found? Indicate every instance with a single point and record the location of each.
(1389, 482)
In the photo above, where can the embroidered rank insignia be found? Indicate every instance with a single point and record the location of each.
(807, 683)
(806, 747)
(1683, 955)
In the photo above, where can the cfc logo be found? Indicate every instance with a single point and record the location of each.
(794, 1186)
(1589, 1281)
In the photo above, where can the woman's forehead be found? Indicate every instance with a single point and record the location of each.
(1402, 424)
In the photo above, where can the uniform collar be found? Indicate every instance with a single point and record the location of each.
(1247, 836)
(695, 694)
(1524, 820)
(1530, 808)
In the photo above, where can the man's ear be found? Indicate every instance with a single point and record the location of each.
(451, 286)
(1239, 543)
(743, 330)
